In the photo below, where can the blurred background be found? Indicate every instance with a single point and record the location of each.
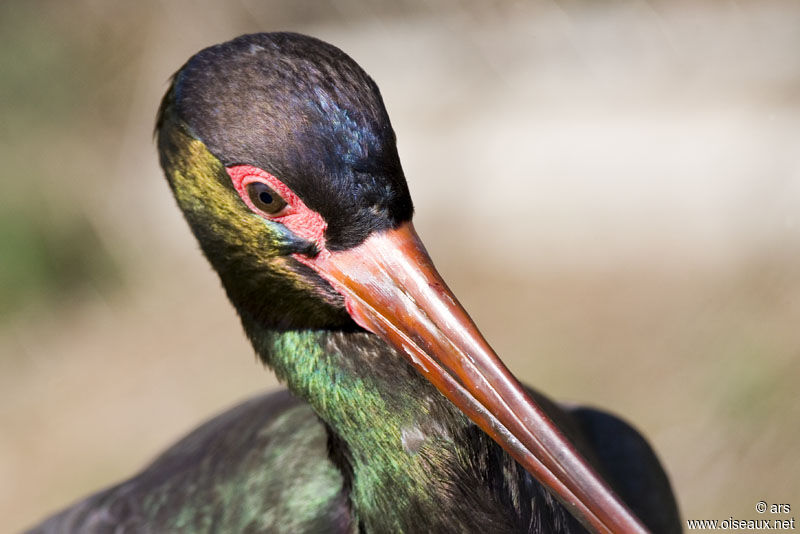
(612, 188)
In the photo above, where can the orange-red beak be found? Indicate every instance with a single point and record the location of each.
(393, 290)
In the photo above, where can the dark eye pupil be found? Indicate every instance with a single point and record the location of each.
(265, 197)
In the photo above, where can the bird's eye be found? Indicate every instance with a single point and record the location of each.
(264, 198)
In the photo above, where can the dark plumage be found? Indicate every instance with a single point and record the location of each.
(373, 446)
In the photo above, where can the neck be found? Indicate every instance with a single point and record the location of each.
(408, 456)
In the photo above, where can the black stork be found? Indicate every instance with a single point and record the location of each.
(401, 418)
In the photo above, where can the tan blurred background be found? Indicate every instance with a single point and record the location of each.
(612, 189)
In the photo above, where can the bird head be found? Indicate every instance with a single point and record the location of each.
(278, 148)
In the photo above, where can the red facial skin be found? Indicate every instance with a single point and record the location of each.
(296, 216)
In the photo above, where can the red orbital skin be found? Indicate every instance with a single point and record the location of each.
(296, 216)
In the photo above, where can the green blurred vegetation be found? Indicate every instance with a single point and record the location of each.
(49, 246)
(44, 261)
